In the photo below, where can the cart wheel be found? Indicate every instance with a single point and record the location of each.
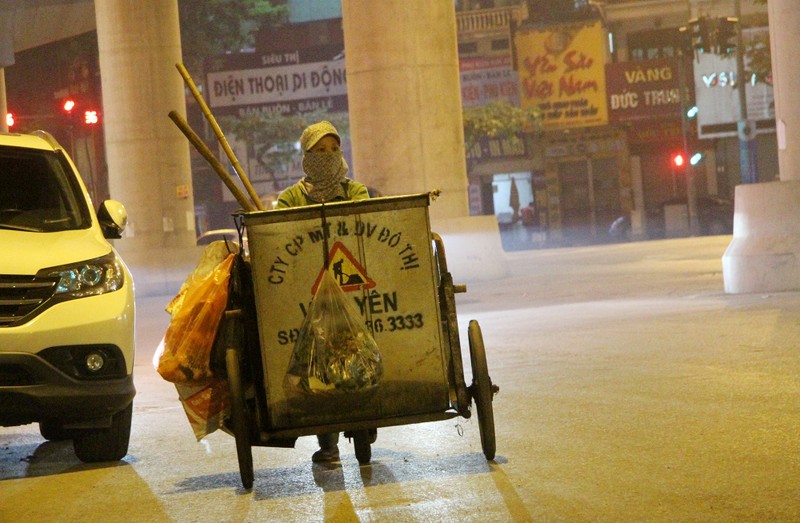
(481, 389)
(362, 441)
(241, 427)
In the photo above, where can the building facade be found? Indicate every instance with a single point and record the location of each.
(615, 82)
(611, 80)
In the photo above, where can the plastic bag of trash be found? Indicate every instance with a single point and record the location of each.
(334, 352)
(214, 254)
(189, 339)
(207, 406)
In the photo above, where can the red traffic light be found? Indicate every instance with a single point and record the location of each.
(678, 160)
(69, 105)
(10, 121)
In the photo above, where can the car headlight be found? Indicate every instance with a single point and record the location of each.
(87, 278)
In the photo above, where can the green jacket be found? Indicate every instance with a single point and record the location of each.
(296, 195)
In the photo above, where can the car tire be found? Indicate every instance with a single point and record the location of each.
(53, 430)
(109, 444)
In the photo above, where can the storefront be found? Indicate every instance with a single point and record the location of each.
(585, 179)
(586, 184)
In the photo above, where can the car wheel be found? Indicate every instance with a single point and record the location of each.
(109, 444)
(54, 431)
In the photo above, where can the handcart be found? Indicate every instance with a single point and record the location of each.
(383, 254)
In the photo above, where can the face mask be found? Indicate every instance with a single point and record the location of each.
(324, 167)
(325, 173)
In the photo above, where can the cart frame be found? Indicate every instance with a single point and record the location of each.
(238, 351)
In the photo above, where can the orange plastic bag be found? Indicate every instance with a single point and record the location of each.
(191, 333)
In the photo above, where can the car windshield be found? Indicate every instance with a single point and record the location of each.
(38, 192)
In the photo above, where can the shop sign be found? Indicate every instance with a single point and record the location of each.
(562, 73)
(717, 95)
(643, 90)
(488, 79)
(279, 83)
(497, 149)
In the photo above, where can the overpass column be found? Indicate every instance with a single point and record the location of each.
(3, 102)
(404, 99)
(764, 255)
(148, 157)
(6, 59)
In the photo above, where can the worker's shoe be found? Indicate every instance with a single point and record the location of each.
(326, 454)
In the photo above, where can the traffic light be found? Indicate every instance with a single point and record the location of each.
(696, 157)
(678, 160)
(10, 121)
(712, 35)
(726, 36)
(80, 113)
(699, 31)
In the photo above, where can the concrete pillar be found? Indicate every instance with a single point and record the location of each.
(405, 99)
(148, 157)
(3, 103)
(764, 255)
(784, 19)
(6, 59)
(406, 120)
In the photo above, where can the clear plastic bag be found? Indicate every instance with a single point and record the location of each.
(190, 336)
(334, 352)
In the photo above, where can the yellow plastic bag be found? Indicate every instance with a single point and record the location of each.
(191, 333)
(334, 352)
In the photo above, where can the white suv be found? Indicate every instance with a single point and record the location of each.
(66, 303)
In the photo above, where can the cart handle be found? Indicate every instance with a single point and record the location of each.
(457, 287)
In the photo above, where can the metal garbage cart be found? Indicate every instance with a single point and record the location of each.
(383, 254)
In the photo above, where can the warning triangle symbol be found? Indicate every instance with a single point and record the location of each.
(346, 270)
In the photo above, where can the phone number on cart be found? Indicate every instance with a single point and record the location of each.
(390, 324)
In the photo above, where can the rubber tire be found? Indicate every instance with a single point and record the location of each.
(362, 443)
(482, 390)
(240, 425)
(111, 444)
(53, 430)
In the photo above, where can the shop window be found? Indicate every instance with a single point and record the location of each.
(467, 48)
(654, 44)
(500, 45)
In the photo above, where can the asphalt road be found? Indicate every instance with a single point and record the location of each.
(631, 389)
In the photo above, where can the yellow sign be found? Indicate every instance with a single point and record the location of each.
(562, 72)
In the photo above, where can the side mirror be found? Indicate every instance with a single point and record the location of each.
(112, 217)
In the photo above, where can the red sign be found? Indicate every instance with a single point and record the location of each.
(642, 90)
(346, 270)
